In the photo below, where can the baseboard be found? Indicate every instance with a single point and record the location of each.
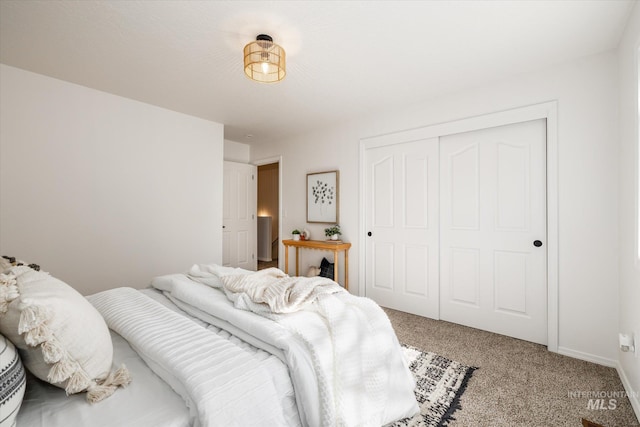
(588, 357)
(265, 259)
(632, 394)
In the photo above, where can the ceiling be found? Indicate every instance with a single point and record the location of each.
(345, 59)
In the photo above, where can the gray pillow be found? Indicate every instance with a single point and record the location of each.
(13, 380)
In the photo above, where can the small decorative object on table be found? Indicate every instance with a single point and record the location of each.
(295, 234)
(333, 232)
(313, 271)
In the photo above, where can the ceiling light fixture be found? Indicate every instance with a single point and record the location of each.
(264, 61)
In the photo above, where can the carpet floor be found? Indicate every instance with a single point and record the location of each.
(519, 383)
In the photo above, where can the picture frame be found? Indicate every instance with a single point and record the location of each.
(323, 201)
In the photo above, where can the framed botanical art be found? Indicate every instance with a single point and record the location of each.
(322, 197)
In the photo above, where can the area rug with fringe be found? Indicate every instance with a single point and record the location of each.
(439, 384)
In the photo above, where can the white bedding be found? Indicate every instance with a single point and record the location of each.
(271, 363)
(221, 384)
(272, 291)
(151, 401)
(344, 358)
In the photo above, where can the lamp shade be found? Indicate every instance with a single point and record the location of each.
(264, 61)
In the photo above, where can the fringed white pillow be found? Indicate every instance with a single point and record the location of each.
(5, 264)
(62, 338)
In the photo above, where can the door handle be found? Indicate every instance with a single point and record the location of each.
(537, 243)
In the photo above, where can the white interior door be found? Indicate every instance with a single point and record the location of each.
(492, 210)
(239, 234)
(401, 190)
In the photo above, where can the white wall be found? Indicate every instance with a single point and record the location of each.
(104, 191)
(587, 94)
(629, 264)
(236, 151)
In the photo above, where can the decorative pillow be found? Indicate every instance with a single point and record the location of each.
(62, 338)
(326, 268)
(6, 262)
(313, 271)
(13, 382)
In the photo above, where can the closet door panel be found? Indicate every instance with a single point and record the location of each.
(401, 193)
(492, 210)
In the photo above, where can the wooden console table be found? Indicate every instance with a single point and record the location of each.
(325, 245)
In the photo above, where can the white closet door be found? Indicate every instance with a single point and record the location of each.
(492, 221)
(401, 191)
(239, 234)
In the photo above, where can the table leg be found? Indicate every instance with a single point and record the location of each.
(346, 269)
(336, 274)
(286, 259)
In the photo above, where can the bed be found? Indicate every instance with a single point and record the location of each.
(228, 347)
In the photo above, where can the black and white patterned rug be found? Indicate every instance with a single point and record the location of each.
(439, 384)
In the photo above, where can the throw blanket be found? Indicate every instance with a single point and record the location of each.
(221, 384)
(344, 358)
(273, 291)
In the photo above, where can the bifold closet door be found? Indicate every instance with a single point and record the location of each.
(401, 192)
(493, 230)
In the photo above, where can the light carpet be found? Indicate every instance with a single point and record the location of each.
(518, 383)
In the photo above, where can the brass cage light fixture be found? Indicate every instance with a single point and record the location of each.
(264, 61)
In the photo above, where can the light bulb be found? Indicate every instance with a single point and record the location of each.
(265, 68)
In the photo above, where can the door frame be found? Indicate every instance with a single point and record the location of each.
(546, 110)
(268, 161)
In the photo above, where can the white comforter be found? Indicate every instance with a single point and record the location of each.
(216, 378)
(272, 291)
(344, 358)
